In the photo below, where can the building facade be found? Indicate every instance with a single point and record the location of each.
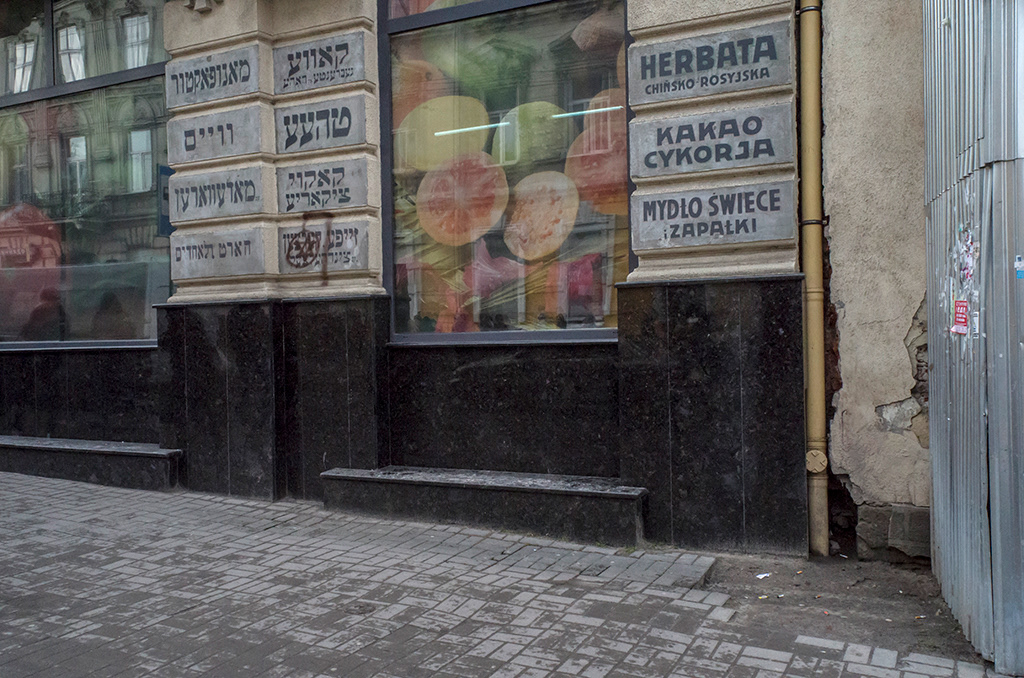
(573, 238)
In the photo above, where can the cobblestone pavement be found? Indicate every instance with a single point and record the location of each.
(98, 581)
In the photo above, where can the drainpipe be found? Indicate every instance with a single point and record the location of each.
(812, 224)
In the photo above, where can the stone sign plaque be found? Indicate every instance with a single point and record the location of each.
(214, 136)
(216, 76)
(722, 216)
(745, 137)
(324, 124)
(320, 63)
(211, 255)
(216, 194)
(323, 186)
(745, 58)
(324, 245)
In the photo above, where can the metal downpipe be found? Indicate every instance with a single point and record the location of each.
(811, 254)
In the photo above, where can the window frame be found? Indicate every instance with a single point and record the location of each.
(389, 27)
(49, 60)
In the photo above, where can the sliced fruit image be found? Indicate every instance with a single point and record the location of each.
(543, 214)
(607, 112)
(415, 82)
(461, 199)
(597, 164)
(440, 129)
(532, 132)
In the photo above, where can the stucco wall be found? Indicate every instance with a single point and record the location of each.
(874, 188)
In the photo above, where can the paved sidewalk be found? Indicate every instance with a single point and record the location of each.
(98, 581)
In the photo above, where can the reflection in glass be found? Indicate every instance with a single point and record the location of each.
(400, 8)
(510, 171)
(21, 45)
(94, 38)
(72, 56)
(80, 254)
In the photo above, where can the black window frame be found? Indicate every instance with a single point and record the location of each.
(389, 27)
(54, 89)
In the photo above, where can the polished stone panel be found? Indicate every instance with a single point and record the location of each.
(17, 394)
(527, 408)
(712, 411)
(334, 357)
(112, 395)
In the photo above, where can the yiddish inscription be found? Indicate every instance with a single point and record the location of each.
(216, 254)
(324, 124)
(216, 194)
(730, 61)
(323, 186)
(322, 245)
(721, 216)
(216, 76)
(320, 63)
(220, 135)
(740, 138)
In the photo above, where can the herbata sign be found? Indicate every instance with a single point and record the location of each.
(216, 194)
(324, 186)
(320, 63)
(324, 124)
(745, 58)
(741, 138)
(219, 135)
(216, 76)
(721, 216)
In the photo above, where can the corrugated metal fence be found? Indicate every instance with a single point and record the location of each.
(974, 81)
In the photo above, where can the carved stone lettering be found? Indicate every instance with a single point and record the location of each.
(219, 135)
(211, 255)
(322, 244)
(746, 137)
(745, 58)
(216, 76)
(324, 124)
(320, 63)
(324, 186)
(722, 216)
(216, 194)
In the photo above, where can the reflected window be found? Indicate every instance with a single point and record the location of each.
(510, 171)
(21, 58)
(72, 56)
(19, 186)
(77, 168)
(136, 41)
(140, 153)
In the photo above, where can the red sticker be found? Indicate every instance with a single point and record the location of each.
(960, 319)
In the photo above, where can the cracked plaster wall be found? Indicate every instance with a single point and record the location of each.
(874, 195)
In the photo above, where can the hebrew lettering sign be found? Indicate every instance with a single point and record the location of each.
(322, 245)
(216, 194)
(746, 58)
(324, 186)
(741, 138)
(216, 254)
(324, 124)
(214, 136)
(215, 76)
(320, 63)
(721, 216)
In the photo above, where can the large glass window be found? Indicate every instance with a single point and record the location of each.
(510, 170)
(82, 257)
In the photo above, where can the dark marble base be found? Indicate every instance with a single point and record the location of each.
(712, 419)
(578, 509)
(531, 408)
(131, 465)
(108, 394)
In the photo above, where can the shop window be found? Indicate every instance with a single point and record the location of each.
(509, 168)
(82, 123)
(72, 56)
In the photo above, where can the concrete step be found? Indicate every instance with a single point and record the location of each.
(576, 508)
(142, 466)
